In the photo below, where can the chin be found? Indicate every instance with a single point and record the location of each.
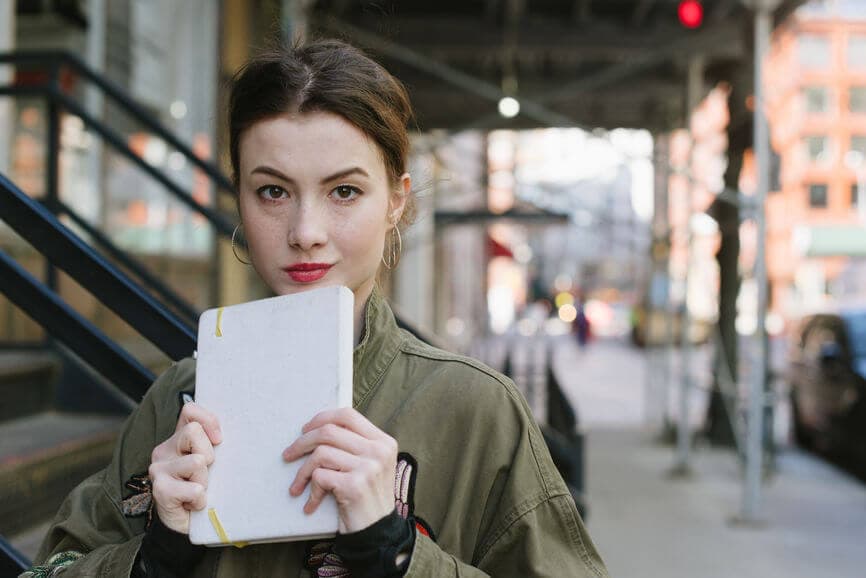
(292, 288)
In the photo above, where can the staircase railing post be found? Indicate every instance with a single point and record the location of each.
(52, 163)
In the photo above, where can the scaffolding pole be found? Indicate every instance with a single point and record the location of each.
(7, 107)
(751, 499)
(682, 466)
(96, 31)
(658, 318)
(294, 22)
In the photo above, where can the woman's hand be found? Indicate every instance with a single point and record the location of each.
(350, 458)
(178, 468)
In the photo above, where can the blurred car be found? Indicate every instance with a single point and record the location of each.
(827, 374)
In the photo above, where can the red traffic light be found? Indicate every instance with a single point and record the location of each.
(691, 13)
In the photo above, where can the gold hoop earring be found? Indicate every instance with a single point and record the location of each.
(395, 250)
(235, 244)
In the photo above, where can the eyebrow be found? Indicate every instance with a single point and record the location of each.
(264, 169)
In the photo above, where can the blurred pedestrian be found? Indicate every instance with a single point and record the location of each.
(582, 326)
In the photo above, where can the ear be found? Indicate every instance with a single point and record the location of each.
(398, 200)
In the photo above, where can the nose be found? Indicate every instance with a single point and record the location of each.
(307, 227)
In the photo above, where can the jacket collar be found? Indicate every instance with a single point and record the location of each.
(377, 349)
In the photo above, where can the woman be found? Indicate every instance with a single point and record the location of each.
(438, 470)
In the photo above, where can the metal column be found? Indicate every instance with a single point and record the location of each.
(751, 504)
(659, 354)
(294, 20)
(7, 107)
(681, 465)
(96, 29)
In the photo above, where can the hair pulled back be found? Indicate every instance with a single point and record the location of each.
(324, 76)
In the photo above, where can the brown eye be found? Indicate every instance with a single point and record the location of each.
(272, 193)
(345, 193)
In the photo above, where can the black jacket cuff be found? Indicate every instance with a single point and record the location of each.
(165, 553)
(372, 552)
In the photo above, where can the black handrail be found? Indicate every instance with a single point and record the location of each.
(40, 57)
(53, 62)
(163, 290)
(12, 562)
(219, 222)
(76, 332)
(33, 90)
(64, 249)
(36, 224)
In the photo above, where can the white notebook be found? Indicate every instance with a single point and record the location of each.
(265, 368)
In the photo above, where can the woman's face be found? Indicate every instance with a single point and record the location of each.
(316, 203)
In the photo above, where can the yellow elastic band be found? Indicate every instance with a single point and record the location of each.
(224, 538)
(219, 331)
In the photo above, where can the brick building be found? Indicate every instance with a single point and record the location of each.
(816, 103)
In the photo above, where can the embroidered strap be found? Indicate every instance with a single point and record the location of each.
(54, 565)
(140, 502)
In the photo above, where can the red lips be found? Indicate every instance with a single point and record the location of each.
(307, 272)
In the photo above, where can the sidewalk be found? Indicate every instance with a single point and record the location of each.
(647, 525)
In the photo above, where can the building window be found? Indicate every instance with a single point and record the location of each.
(857, 99)
(817, 196)
(814, 52)
(817, 98)
(857, 52)
(818, 148)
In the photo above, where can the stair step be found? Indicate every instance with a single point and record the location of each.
(27, 382)
(44, 456)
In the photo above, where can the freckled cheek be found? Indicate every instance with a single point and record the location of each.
(360, 237)
(265, 241)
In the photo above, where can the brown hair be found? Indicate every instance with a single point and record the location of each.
(324, 76)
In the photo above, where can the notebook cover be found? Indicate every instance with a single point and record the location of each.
(265, 368)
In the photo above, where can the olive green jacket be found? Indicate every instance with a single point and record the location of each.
(483, 487)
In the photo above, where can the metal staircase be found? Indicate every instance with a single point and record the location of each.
(43, 452)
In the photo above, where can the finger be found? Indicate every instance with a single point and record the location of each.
(192, 439)
(171, 493)
(322, 457)
(164, 451)
(348, 418)
(324, 482)
(330, 435)
(192, 412)
(190, 467)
